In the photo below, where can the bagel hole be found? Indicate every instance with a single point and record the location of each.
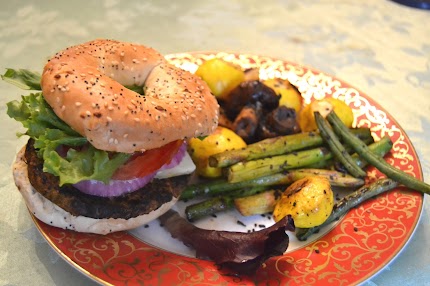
(136, 88)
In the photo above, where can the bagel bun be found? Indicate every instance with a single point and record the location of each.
(85, 86)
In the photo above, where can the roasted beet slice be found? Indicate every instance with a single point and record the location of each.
(242, 253)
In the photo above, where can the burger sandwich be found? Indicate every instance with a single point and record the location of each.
(107, 135)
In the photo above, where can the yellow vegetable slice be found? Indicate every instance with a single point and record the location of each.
(290, 96)
(222, 139)
(309, 201)
(306, 116)
(221, 76)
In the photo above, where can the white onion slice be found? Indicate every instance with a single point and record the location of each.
(120, 187)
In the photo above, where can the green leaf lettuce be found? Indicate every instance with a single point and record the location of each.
(82, 161)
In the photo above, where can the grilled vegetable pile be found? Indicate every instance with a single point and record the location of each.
(288, 172)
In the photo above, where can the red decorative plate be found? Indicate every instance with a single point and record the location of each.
(349, 252)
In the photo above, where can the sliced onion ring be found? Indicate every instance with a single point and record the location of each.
(120, 187)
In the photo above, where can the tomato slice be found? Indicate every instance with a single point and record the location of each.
(142, 164)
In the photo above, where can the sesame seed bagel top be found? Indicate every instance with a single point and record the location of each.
(84, 85)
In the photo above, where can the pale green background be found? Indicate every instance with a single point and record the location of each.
(378, 46)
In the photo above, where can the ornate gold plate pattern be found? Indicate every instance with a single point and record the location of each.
(360, 245)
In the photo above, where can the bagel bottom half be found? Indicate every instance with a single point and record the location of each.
(66, 207)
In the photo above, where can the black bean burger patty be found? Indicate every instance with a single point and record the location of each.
(130, 205)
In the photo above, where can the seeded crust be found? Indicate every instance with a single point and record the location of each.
(84, 85)
(140, 202)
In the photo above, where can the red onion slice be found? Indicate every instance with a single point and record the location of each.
(120, 187)
(176, 160)
(114, 188)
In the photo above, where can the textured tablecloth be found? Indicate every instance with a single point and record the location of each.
(378, 46)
